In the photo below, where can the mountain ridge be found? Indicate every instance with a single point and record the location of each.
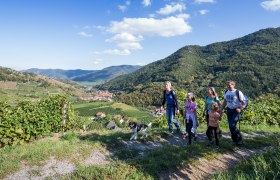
(253, 61)
(80, 75)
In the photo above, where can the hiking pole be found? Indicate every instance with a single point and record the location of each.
(240, 120)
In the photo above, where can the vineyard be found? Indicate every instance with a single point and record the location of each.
(28, 121)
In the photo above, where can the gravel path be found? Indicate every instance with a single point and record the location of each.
(206, 168)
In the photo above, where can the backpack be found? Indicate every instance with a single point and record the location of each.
(238, 96)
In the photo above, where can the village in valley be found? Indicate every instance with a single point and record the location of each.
(99, 96)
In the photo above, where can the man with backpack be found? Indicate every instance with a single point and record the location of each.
(235, 102)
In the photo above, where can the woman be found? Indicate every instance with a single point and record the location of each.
(172, 106)
(210, 98)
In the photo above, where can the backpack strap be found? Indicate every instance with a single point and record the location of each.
(238, 95)
(226, 91)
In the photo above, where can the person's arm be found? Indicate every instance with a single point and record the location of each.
(195, 106)
(163, 100)
(243, 103)
(184, 116)
(176, 100)
(218, 102)
(224, 104)
(219, 116)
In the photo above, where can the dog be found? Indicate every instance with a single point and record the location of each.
(139, 127)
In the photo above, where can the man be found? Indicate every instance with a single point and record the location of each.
(235, 102)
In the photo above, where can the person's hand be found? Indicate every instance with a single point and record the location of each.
(238, 110)
(161, 107)
(204, 112)
(177, 112)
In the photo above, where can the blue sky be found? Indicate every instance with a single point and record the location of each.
(93, 34)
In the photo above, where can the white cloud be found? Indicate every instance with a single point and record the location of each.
(183, 16)
(203, 11)
(122, 7)
(125, 37)
(128, 33)
(146, 3)
(130, 45)
(167, 27)
(84, 34)
(204, 1)
(169, 9)
(124, 52)
(273, 5)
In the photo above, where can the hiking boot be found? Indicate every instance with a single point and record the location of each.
(171, 132)
(240, 142)
(210, 143)
(195, 139)
(217, 146)
(220, 134)
(178, 130)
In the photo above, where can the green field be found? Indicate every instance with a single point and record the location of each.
(111, 109)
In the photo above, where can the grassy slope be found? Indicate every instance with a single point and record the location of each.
(15, 86)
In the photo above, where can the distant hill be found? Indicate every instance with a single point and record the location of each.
(15, 86)
(253, 61)
(79, 75)
(59, 73)
(106, 74)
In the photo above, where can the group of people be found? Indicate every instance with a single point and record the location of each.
(234, 102)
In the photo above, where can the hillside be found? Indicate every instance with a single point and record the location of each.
(253, 61)
(58, 73)
(106, 74)
(17, 85)
(78, 75)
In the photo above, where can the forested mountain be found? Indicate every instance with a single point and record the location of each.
(16, 85)
(253, 61)
(106, 74)
(80, 75)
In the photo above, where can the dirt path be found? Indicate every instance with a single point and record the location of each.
(204, 168)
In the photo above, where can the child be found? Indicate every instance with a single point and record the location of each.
(190, 113)
(214, 118)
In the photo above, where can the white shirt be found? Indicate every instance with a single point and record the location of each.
(232, 99)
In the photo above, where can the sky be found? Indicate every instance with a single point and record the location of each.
(94, 34)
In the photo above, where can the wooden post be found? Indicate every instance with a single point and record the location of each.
(64, 116)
